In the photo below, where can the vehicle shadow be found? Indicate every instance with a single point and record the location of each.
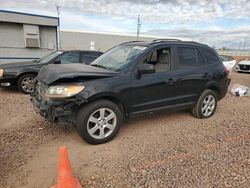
(154, 117)
(9, 90)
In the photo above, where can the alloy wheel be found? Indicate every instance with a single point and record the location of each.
(208, 105)
(27, 84)
(101, 123)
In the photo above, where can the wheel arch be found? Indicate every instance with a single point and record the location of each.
(214, 87)
(113, 98)
(23, 73)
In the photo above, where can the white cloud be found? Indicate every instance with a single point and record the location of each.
(159, 17)
(150, 10)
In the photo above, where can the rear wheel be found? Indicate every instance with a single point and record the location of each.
(99, 122)
(206, 104)
(25, 83)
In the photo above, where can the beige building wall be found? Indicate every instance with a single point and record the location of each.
(94, 41)
(98, 41)
(13, 47)
(23, 18)
(12, 42)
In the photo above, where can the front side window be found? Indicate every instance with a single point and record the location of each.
(187, 57)
(160, 59)
(69, 57)
(49, 57)
(119, 57)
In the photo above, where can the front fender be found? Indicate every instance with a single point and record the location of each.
(28, 71)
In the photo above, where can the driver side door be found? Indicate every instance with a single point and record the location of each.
(153, 91)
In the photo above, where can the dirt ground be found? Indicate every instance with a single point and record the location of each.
(161, 150)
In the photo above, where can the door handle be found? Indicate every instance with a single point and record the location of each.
(206, 76)
(170, 81)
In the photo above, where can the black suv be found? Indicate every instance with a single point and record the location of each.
(131, 79)
(21, 74)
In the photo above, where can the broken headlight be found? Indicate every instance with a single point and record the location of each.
(63, 91)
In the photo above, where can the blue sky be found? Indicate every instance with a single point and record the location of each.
(215, 22)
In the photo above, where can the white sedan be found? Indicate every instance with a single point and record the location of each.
(228, 61)
(243, 66)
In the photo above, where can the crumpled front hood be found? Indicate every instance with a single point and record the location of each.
(51, 73)
(18, 64)
(246, 62)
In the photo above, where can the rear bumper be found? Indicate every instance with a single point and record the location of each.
(224, 88)
(56, 110)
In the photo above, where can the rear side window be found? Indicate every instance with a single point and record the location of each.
(87, 58)
(70, 57)
(210, 56)
(187, 57)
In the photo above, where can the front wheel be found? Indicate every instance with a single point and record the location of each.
(99, 122)
(25, 83)
(206, 104)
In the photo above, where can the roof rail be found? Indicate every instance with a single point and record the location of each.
(162, 40)
(132, 41)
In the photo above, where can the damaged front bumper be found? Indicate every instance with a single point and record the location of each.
(63, 110)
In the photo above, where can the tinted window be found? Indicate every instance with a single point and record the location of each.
(69, 57)
(210, 56)
(87, 58)
(187, 57)
(200, 58)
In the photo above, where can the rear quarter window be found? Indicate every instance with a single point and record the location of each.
(187, 57)
(210, 56)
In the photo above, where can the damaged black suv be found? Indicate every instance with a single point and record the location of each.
(130, 79)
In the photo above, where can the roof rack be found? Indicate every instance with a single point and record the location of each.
(162, 40)
(132, 41)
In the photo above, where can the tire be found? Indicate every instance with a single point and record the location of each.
(95, 128)
(206, 105)
(29, 85)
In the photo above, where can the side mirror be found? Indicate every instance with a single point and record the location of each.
(58, 61)
(145, 68)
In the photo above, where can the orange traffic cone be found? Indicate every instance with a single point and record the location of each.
(65, 176)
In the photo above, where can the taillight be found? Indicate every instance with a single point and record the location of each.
(226, 71)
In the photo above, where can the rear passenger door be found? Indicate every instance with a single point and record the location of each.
(190, 76)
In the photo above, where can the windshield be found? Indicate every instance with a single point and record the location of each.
(119, 57)
(49, 57)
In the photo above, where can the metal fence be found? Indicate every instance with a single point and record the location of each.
(234, 53)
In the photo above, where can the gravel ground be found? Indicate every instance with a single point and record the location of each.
(161, 150)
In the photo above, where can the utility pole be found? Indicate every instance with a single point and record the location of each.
(245, 42)
(239, 45)
(138, 27)
(58, 28)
